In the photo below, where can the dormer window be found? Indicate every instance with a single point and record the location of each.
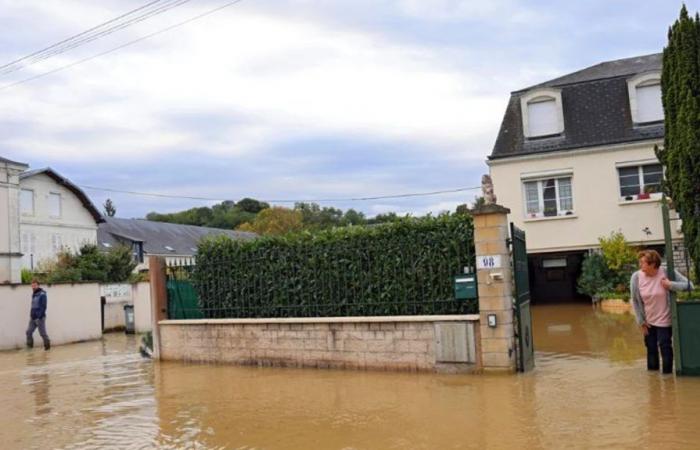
(542, 113)
(645, 98)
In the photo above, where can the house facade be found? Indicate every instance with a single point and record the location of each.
(45, 212)
(574, 160)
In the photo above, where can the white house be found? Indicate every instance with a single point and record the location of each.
(574, 160)
(45, 214)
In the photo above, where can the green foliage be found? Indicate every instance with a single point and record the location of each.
(680, 82)
(595, 276)
(275, 221)
(89, 264)
(617, 253)
(109, 209)
(607, 275)
(251, 205)
(26, 276)
(226, 215)
(404, 267)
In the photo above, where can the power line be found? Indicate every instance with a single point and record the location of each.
(92, 34)
(127, 44)
(318, 200)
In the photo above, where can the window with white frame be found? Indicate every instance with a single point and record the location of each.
(640, 182)
(645, 98)
(26, 202)
(549, 197)
(54, 204)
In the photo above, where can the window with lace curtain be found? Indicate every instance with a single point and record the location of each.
(549, 197)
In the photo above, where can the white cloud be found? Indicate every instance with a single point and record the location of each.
(287, 78)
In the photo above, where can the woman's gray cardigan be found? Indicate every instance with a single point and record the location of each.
(681, 284)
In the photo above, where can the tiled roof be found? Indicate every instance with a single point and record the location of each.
(159, 237)
(596, 110)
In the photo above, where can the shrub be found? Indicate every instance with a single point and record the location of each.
(619, 256)
(89, 264)
(596, 277)
(608, 273)
(26, 276)
(404, 267)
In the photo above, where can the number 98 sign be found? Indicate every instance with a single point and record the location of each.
(488, 262)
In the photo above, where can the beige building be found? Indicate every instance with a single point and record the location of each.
(42, 214)
(574, 160)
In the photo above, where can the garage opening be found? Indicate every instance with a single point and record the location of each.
(553, 277)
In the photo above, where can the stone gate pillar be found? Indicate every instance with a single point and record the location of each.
(495, 284)
(10, 243)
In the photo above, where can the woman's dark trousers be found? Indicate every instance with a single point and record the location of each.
(659, 338)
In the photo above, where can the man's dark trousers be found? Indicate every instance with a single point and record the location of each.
(33, 325)
(659, 338)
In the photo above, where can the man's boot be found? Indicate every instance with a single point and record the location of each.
(30, 343)
(47, 345)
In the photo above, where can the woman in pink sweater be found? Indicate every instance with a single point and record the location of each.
(649, 288)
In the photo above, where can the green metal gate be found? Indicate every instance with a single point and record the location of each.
(685, 314)
(182, 297)
(521, 308)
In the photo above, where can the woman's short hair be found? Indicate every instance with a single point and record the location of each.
(651, 257)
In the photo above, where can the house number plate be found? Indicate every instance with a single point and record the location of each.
(488, 262)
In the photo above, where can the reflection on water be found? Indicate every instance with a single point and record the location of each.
(589, 389)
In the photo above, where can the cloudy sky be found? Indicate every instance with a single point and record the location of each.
(294, 99)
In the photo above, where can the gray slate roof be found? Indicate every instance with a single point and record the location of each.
(9, 161)
(157, 235)
(596, 110)
(58, 178)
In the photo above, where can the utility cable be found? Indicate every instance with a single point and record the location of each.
(318, 200)
(127, 44)
(92, 34)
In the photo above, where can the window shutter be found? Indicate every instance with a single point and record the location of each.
(542, 118)
(649, 107)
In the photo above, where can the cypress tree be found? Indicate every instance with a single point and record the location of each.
(680, 86)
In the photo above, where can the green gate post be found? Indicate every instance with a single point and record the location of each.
(670, 269)
(495, 279)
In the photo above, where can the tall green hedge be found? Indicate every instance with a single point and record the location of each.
(402, 268)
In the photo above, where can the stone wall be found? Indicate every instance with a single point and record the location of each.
(411, 343)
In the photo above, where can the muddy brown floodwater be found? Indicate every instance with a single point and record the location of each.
(590, 390)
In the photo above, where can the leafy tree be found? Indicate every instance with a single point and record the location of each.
(275, 221)
(251, 205)
(384, 218)
(352, 217)
(109, 208)
(680, 87)
(463, 209)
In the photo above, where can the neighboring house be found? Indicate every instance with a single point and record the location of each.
(44, 213)
(574, 160)
(55, 215)
(146, 238)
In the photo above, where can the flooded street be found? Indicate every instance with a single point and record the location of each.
(590, 389)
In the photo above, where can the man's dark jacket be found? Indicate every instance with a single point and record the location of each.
(38, 304)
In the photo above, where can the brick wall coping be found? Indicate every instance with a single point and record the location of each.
(353, 319)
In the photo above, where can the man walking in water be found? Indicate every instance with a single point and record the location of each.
(37, 316)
